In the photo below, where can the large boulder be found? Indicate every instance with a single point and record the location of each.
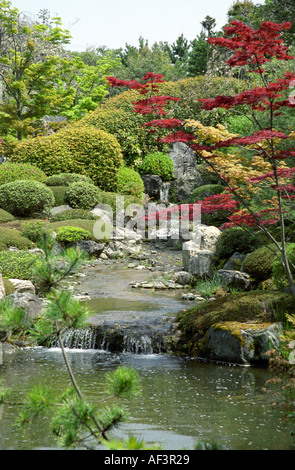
(2, 288)
(197, 253)
(187, 178)
(235, 279)
(31, 303)
(241, 343)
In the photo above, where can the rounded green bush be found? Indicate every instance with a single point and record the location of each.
(5, 216)
(82, 195)
(206, 191)
(64, 179)
(34, 230)
(68, 234)
(11, 237)
(233, 240)
(259, 264)
(25, 198)
(72, 214)
(10, 171)
(158, 163)
(75, 149)
(130, 182)
(279, 275)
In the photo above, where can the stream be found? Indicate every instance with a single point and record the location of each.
(182, 400)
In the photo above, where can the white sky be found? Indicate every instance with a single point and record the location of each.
(113, 23)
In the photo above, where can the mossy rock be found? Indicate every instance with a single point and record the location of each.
(259, 263)
(258, 306)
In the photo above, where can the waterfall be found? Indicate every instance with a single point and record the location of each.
(117, 340)
(164, 192)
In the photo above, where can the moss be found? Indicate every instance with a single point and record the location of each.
(8, 286)
(236, 328)
(245, 307)
(5, 216)
(259, 263)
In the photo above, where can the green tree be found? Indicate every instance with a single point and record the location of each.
(30, 68)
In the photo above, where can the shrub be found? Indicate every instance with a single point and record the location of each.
(66, 235)
(5, 216)
(19, 264)
(8, 286)
(64, 179)
(116, 114)
(82, 195)
(59, 194)
(34, 230)
(259, 264)
(82, 223)
(158, 163)
(206, 191)
(72, 214)
(130, 182)
(279, 276)
(10, 171)
(75, 149)
(25, 198)
(11, 237)
(233, 240)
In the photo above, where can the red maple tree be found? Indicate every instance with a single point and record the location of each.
(252, 48)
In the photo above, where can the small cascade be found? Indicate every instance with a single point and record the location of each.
(164, 192)
(119, 339)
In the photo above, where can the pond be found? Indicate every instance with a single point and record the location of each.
(182, 401)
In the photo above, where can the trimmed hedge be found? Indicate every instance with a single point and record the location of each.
(130, 182)
(25, 198)
(5, 216)
(10, 171)
(64, 179)
(82, 195)
(18, 265)
(158, 163)
(11, 237)
(78, 149)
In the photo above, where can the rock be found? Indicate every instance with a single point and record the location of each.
(153, 186)
(197, 253)
(187, 178)
(31, 303)
(241, 343)
(183, 278)
(103, 214)
(22, 286)
(59, 209)
(235, 279)
(2, 288)
(91, 247)
(234, 261)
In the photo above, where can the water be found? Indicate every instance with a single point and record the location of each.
(181, 401)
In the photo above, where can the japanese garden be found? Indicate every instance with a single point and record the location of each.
(147, 237)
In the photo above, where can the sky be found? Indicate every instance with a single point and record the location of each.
(114, 23)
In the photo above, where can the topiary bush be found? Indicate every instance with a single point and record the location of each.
(12, 237)
(5, 216)
(72, 214)
(18, 265)
(279, 275)
(64, 179)
(259, 264)
(130, 182)
(67, 235)
(10, 171)
(157, 163)
(232, 240)
(206, 191)
(82, 195)
(59, 194)
(76, 149)
(34, 230)
(25, 198)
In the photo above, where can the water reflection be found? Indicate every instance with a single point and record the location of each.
(182, 400)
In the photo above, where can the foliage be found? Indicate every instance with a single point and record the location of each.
(5, 216)
(12, 237)
(34, 229)
(14, 319)
(64, 179)
(72, 214)
(75, 149)
(205, 191)
(18, 265)
(67, 235)
(59, 194)
(233, 240)
(25, 198)
(158, 163)
(85, 224)
(259, 263)
(130, 182)
(10, 171)
(279, 274)
(82, 195)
